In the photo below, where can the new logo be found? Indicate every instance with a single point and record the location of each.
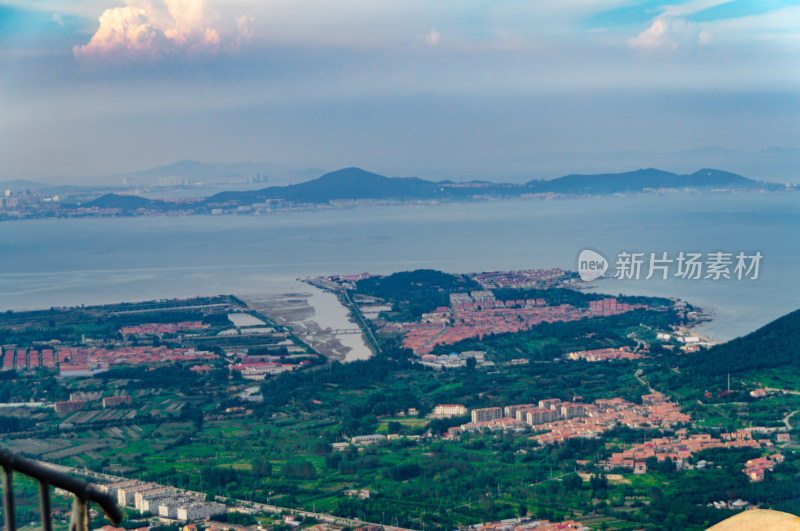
(591, 265)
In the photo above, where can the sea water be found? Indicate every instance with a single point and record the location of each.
(67, 262)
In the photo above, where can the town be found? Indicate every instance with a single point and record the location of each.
(560, 421)
(533, 407)
(480, 314)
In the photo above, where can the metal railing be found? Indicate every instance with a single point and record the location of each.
(82, 493)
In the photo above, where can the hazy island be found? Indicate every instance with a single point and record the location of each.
(351, 187)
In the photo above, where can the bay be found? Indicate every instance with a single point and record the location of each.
(54, 262)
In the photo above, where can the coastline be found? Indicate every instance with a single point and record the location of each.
(317, 318)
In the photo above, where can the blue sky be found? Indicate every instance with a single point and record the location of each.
(413, 87)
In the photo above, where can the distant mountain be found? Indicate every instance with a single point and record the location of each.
(640, 180)
(350, 184)
(18, 185)
(355, 183)
(776, 344)
(344, 184)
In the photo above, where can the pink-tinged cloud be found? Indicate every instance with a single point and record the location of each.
(151, 30)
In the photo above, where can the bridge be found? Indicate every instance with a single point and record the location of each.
(335, 331)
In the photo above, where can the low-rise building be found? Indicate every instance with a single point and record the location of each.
(541, 416)
(86, 396)
(114, 401)
(511, 411)
(199, 510)
(153, 492)
(549, 403)
(68, 406)
(450, 410)
(368, 439)
(571, 410)
(150, 505)
(755, 469)
(486, 414)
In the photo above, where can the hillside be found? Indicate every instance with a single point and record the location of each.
(775, 344)
(344, 184)
(123, 202)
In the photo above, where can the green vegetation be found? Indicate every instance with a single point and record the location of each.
(200, 431)
(413, 293)
(774, 345)
(578, 299)
(73, 325)
(547, 341)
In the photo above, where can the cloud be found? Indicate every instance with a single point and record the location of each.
(667, 33)
(152, 30)
(57, 19)
(432, 38)
(779, 28)
(244, 29)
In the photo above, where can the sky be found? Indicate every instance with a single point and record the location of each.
(415, 87)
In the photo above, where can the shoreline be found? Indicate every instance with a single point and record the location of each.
(317, 318)
(692, 331)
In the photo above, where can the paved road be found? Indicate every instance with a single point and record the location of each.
(638, 376)
(786, 419)
(362, 322)
(784, 391)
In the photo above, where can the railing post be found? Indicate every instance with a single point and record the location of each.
(44, 505)
(80, 514)
(8, 499)
(47, 476)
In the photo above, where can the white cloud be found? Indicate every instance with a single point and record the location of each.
(779, 27)
(668, 33)
(776, 29)
(149, 30)
(654, 37)
(57, 19)
(432, 38)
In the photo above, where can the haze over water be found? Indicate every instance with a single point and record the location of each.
(90, 261)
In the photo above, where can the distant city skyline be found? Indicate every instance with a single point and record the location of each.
(499, 89)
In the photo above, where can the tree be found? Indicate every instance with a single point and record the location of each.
(572, 482)
(404, 472)
(262, 467)
(300, 469)
(332, 461)
(598, 482)
(9, 424)
(320, 448)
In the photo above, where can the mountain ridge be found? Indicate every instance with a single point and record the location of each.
(775, 344)
(354, 184)
(642, 179)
